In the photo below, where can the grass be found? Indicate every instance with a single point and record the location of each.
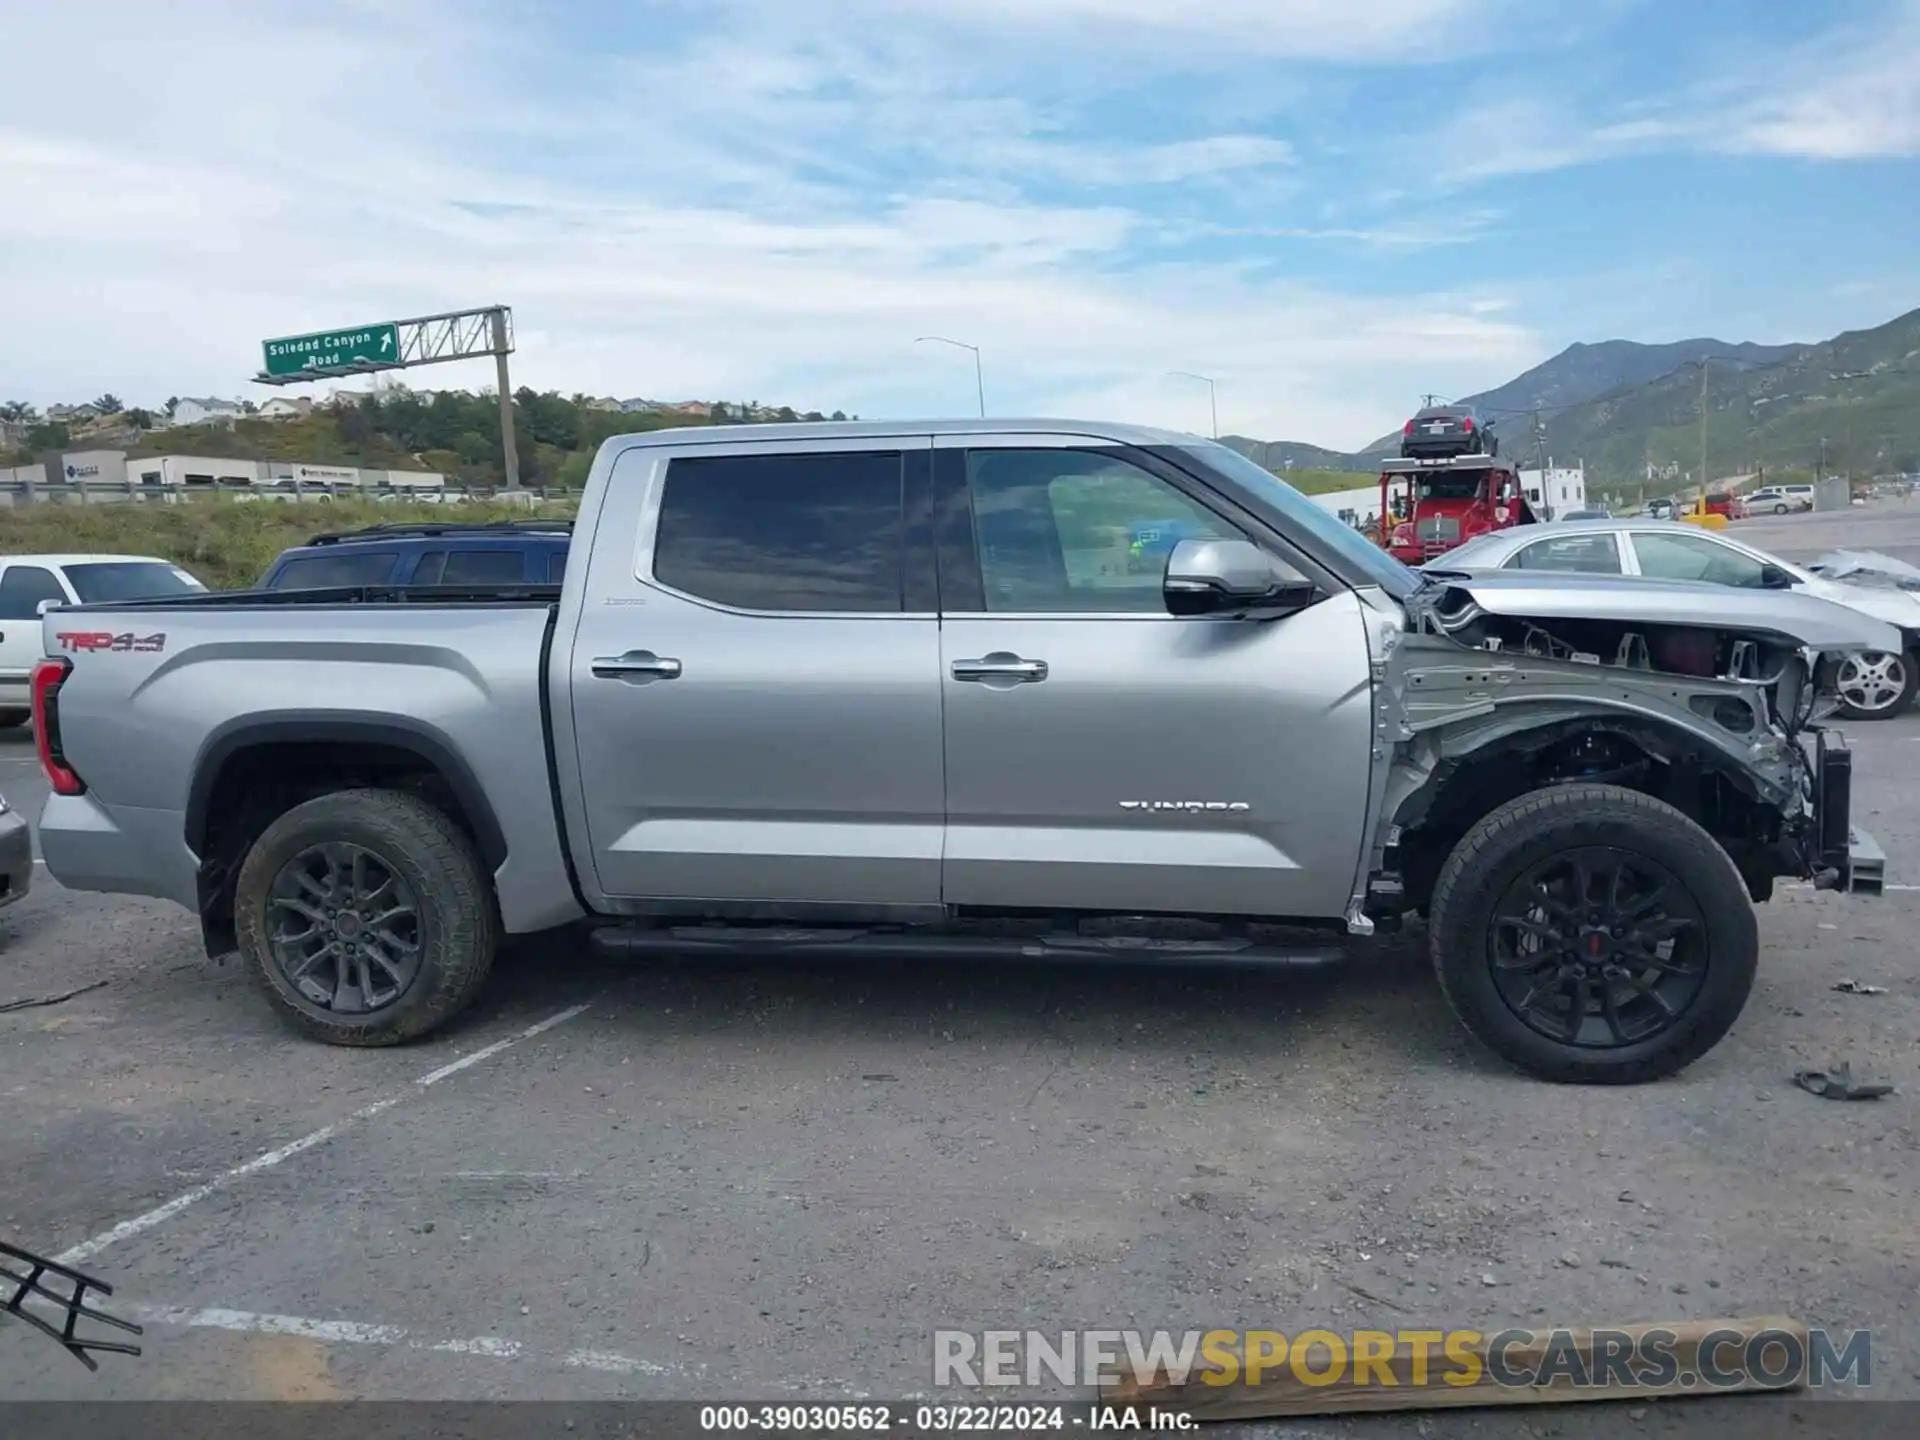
(227, 543)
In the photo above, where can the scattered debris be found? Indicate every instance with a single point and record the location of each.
(1371, 1298)
(1859, 987)
(1839, 1084)
(880, 1075)
(35, 1002)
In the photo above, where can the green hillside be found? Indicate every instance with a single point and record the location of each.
(450, 431)
(1773, 416)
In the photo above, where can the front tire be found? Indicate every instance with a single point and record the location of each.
(1589, 934)
(1878, 686)
(367, 917)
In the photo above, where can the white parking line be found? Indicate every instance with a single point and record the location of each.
(356, 1332)
(87, 1249)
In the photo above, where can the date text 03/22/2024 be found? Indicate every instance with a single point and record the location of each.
(938, 1419)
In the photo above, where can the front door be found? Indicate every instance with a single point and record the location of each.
(754, 680)
(1104, 755)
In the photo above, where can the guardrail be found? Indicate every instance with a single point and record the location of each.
(18, 493)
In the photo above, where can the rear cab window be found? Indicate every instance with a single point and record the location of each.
(104, 581)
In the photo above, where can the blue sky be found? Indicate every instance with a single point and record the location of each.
(1330, 205)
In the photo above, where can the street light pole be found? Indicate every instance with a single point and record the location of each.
(979, 379)
(1213, 400)
(1703, 432)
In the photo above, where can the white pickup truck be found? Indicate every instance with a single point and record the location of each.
(898, 687)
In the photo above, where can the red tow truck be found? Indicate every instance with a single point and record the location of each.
(1429, 506)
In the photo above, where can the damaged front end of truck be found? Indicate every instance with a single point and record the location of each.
(1489, 687)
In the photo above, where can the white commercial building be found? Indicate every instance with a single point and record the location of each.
(1359, 505)
(93, 467)
(201, 471)
(1555, 490)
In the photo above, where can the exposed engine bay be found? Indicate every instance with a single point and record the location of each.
(1776, 663)
(1719, 716)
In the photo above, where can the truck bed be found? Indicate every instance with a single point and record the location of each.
(161, 691)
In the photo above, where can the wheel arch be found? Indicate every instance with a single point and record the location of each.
(1658, 757)
(256, 768)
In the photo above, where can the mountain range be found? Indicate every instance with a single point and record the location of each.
(1849, 403)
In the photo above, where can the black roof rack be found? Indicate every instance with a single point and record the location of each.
(410, 529)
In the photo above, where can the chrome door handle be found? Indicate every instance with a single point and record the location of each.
(636, 665)
(1000, 666)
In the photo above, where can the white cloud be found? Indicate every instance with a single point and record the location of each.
(1851, 96)
(741, 220)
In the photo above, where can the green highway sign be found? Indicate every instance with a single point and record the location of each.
(332, 350)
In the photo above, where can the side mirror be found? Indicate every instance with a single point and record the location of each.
(1772, 577)
(1211, 577)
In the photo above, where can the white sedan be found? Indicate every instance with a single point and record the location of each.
(1872, 687)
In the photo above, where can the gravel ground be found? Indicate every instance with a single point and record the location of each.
(775, 1179)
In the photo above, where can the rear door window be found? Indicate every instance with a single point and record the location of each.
(485, 567)
(821, 533)
(1585, 554)
(325, 572)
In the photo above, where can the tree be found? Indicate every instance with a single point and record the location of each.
(108, 404)
(17, 411)
(55, 436)
(173, 403)
(839, 414)
(141, 419)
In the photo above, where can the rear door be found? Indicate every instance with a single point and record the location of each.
(755, 678)
(1104, 755)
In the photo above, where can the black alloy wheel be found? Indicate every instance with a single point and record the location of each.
(1598, 947)
(344, 928)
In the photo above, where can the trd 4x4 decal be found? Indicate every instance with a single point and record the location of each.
(90, 640)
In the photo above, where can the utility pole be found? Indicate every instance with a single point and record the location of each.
(1213, 404)
(509, 449)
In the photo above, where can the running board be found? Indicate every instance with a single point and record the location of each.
(836, 944)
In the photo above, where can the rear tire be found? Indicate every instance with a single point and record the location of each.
(1882, 686)
(405, 855)
(1481, 951)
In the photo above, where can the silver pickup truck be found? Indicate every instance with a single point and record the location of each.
(944, 689)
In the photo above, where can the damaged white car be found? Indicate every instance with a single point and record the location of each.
(1871, 686)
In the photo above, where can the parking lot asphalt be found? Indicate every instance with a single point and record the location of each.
(718, 1179)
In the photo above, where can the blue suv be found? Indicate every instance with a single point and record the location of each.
(529, 552)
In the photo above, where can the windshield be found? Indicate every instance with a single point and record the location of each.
(107, 581)
(1379, 567)
(1451, 487)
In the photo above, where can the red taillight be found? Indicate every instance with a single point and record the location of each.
(48, 677)
(1407, 429)
(1466, 423)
